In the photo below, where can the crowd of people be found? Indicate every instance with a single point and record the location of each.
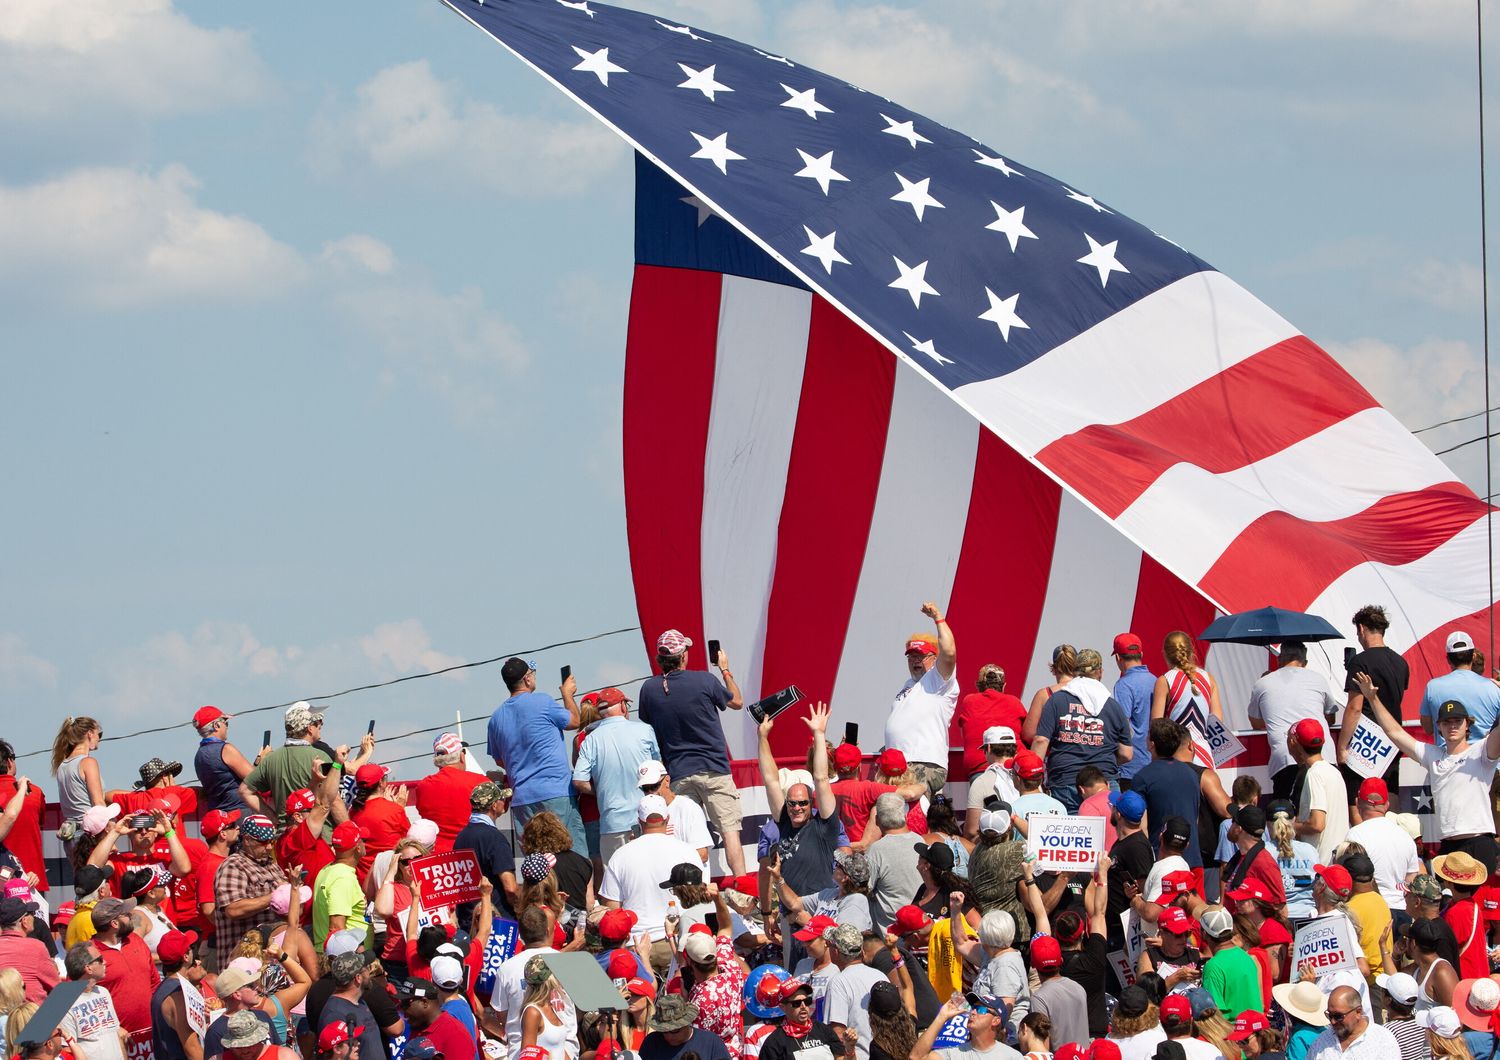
(879, 917)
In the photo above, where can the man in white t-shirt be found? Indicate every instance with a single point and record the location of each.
(918, 723)
(1392, 850)
(502, 1016)
(633, 878)
(1323, 807)
(847, 1003)
(1282, 698)
(685, 818)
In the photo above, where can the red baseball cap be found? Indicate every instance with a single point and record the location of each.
(1176, 1008)
(641, 988)
(1046, 952)
(1175, 920)
(333, 1035)
(1336, 878)
(921, 646)
(846, 756)
(168, 803)
(1309, 733)
(1070, 1051)
(1251, 889)
(347, 835)
(302, 799)
(1180, 882)
(891, 762)
(790, 986)
(617, 924)
(1246, 1024)
(622, 965)
(909, 918)
(1128, 644)
(1027, 764)
(370, 774)
(215, 821)
(1374, 790)
(63, 914)
(612, 697)
(815, 928)
(203, 715)
(1104, 1049)
(748, 884)
(174, 945)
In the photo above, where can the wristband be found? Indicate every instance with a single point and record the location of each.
(169, 833)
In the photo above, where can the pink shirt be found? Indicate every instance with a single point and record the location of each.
(29, 956)
(1098, 806)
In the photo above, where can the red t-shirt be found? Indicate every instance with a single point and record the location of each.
(976, 712)
(1489, 900)
(207, 870)
(25, 838)
(1467, 921)
(856, 800)
(140, 801)
(1272, 934)
(125, 861)
(588, 805)
(443, 799)
(388, 825)
(300, 847)
(450, 1037)
(1265, 869)
(131, 977)
(181, 905)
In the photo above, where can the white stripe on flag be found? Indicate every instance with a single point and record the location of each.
(916, 533)
(762, 347)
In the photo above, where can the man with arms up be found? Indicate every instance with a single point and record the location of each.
(920, 717)
(1390, 674)
(985, 1031)
(808, 832)
(526, 740)
(683, 708)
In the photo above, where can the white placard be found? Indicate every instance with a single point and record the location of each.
(1328, 942)
(1065, 844)
(194, 1007)
(1135, 936)
(1222, 743)
(1370, 752)
(1124, 969)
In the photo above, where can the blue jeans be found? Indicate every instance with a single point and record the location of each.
(567, 812)
(1071, 797)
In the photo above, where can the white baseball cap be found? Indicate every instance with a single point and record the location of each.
(999, 734)
(346, 940)
(651, 772)
(1401, 987)
(652, 806)
(447, 973)
(1442, 1020)
(1458, 641)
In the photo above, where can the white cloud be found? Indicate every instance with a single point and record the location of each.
(404, 120)
(118, 238)
(139, 56)
(405, 647)
(362, 252)
(20, 669)
(1451, 372)
(1452, 285)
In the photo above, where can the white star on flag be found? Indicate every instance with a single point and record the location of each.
(1002, 313)
(1087, 200)
(913, 280)
(819, 169)
(580, 5)
(805, 101)
(705, 211)
(685, 30)
(997, 163)
(773, 58)
(703, 81)
(598, 63)
(822, 248)
(716, 151)
(904, 129)
(926, 347)
(1102, 257)
(915, 195)
(1010, 223)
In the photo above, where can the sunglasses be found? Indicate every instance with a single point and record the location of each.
(983, 1010)
(797, 1001)
(799, 802)
(1338, 1017)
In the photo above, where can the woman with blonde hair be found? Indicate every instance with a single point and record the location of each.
(1186, 692)
(16, 1024)
(542, 1019)
(1445, 1034)
(1214, 1029)
(640, 1006)
(393, 897)
(1135, 1024)
(79, 782)
(1064, 668)
(12, 994)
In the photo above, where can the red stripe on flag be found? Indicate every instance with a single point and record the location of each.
(838, 446)
(1164, 603)
(1428, 657)
(1208, 425)
(670, 349)
(1005, 566)
(1301, 558)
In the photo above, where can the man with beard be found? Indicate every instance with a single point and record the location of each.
(1350, 1034)
(243, 885)
(130, 974)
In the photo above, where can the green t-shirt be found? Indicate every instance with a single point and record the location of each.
(1232, 978)
(283, 771)
(337, 893)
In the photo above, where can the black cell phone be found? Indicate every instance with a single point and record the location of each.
(1349, 654)
(265, 741)
(851, 732)
(567, 672)
(713, 653)
(370, 729)
(139, 821)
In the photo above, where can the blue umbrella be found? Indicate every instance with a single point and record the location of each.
(1269, 625)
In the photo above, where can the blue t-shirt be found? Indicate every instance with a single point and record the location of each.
(1171, 789)
(706, 1046)
(1133, 692)
(1034, 803)
(683, 707)
(1477, 693)
(1076, 738)
(609, 758)
(1297, 877)
(526, 737)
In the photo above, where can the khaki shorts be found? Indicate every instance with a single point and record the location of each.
(718, 796)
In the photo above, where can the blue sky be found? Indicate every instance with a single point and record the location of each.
(314, 314)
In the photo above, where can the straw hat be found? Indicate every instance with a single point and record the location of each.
(1460, 868)
(1304, 1001)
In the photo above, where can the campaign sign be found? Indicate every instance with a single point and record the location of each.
(1124, 970)
(1222, 744)
(195, 1008)
(139, 1046)
(1065, 844)
(448, 879)
(501, 947)
(955, 1033)
(1135, 937)
(1370, 753)
(1327, 943)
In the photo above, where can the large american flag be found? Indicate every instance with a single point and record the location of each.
(1085, 428)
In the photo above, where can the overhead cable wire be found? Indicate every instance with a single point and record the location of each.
(364, 688)
(1460, 445)
(1455, 419)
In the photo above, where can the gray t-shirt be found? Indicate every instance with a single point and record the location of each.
(848, 1002)
(893, 876)
(998, 1051)
(851, 909)
(1066, 1004)
(1284, 697)
(1005, 976)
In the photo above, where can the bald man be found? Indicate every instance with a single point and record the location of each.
(1350, 1035)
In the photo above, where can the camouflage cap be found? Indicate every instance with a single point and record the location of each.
(299, 716)
(673, 1013)
(486, 795)
(846, 938)
(1427, 887)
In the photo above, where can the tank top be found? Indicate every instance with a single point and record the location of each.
(960, 856)
(1187, 703)
(553, 1037)
(160, 925)
(72, 789)
(165, 1045)
(1424, 999)
(278, 1021)
(221, 788)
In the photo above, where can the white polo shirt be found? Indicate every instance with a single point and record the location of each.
(918, 723)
